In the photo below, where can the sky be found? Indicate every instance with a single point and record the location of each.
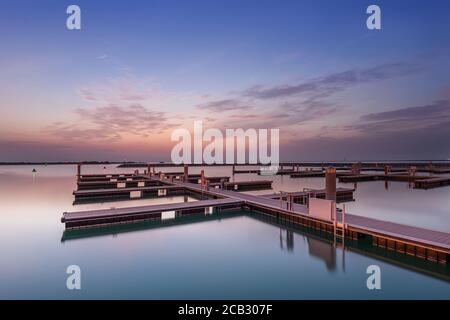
(137, 70)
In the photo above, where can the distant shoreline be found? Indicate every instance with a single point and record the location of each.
(131, 164)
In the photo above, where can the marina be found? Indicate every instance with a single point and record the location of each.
(143, 219)
(292, 206)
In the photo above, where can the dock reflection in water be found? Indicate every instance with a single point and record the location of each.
(321, 245)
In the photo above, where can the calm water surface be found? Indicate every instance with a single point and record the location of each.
(232, 256)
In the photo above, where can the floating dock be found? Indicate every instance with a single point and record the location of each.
(130, 193)
(422, 243)
(301, 197)
(121, 215)
(430, 183)
(419, 242)
(132, 183)
(308, 174)
(248, 185)
(405, 177)
(238, 171)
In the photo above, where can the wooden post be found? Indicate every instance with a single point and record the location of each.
(202, 177)
(343, 216)
(330, 183)
(186, 173)
(281, 199)
(79, 171)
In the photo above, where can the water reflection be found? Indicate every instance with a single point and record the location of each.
(324, 247)
(320, 245)
(115, 229)
(301, 258)
(324, 251)
(286, 241)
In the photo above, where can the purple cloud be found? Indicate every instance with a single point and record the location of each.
(332, 83)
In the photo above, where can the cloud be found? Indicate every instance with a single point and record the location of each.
(224, 105)
(325, 86)
(292, 105)
(111, 122)
(414, 132)
(409, 118)
(125, 88)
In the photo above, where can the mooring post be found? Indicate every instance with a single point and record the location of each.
(202, 177)
(334, 228)
(78, 171)
(281, 199)
(186, 173)
(356, 168)
(330, 183)
(343, 217)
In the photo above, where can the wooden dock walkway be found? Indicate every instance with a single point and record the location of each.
(400, 176)
(430, 183)
(342, 195)
(109, 216)
(91, 185)
(248, 185)
(133, 192)
(307, 174)
(240, 171)
(420, 242)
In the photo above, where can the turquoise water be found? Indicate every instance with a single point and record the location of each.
(229, 256)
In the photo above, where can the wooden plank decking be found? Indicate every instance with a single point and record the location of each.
(437, 241)
(432, 183)
(116, 191)
(399, 231)
(117, 212)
